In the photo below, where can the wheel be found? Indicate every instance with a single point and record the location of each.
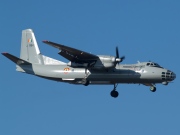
(114, 93)
(153, 89)
(85, 82)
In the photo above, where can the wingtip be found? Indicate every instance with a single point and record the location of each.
(45, 41)
(3, 53)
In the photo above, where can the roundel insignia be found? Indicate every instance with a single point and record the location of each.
(66, 70)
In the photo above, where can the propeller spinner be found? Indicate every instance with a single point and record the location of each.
(118, 60)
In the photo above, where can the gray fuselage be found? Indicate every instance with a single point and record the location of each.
(139, 73)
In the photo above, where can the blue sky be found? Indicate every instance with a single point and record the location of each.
(143, 30)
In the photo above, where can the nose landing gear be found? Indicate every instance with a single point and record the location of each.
(153, 88)
(114, 93)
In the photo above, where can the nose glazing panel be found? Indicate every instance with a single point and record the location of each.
(173, 75)
(168, 76)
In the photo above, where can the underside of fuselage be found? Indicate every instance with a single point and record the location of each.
(78, 81)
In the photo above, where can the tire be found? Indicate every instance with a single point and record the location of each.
(114, 93)
(152, 89)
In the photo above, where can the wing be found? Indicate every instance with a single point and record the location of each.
(74, 55)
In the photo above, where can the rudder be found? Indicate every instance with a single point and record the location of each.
(29, 48)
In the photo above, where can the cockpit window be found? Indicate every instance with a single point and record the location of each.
(156, 65)
(153, 65)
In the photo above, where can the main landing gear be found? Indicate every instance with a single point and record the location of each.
(85, 82)
(114, 93)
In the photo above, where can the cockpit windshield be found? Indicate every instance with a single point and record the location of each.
(152, 64)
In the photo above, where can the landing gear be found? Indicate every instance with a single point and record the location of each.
(85, 82)
(114, 93)
(153, 88)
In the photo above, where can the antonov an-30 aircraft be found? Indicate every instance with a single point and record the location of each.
(86, 68)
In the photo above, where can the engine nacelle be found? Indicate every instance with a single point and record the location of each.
(105, 62)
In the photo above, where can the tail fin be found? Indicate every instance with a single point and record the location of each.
(29, 48)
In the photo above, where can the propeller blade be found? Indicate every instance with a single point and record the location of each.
(118, 60)
(122, 58)
(117, 52)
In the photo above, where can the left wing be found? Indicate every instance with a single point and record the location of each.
(74, 55)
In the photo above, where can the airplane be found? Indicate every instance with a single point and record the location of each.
(85, 68)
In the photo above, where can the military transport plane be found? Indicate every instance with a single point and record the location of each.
(86, 68)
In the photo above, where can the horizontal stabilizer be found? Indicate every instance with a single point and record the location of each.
(15, 59)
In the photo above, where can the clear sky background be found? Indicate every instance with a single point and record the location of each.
(142, 29)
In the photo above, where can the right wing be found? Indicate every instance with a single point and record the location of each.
(74, 55)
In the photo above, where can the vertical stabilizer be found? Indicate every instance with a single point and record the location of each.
(29, 48)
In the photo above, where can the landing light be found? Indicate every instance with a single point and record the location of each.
(165, 83)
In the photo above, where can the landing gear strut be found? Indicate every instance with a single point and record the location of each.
(114, 93)
(85, 82)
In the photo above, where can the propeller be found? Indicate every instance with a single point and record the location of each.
(118, 60)
(117, 52)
